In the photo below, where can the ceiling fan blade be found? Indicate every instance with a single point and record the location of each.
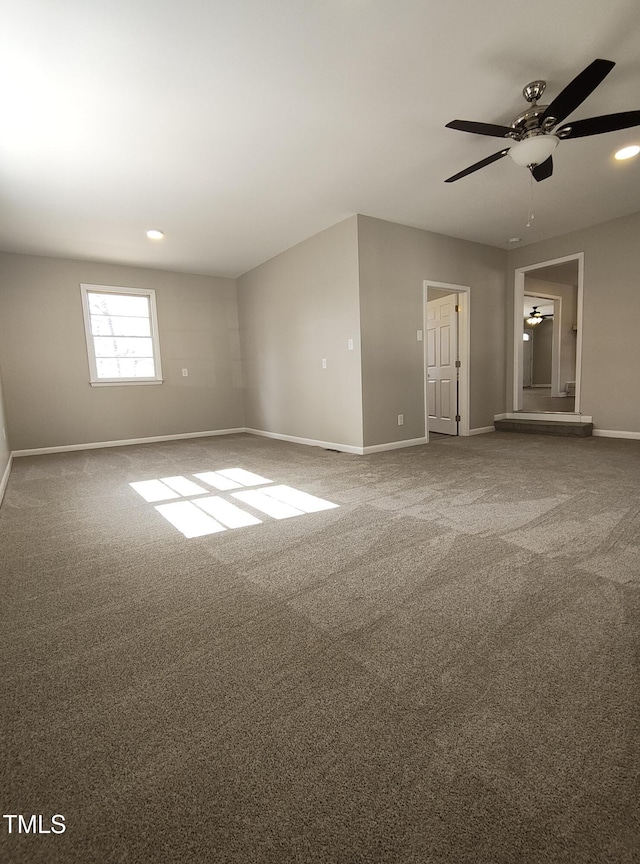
(598, 125)
(577, 90)
(543, 170)
(481, 128)
(478, 165)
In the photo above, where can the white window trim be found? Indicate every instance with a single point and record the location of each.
(85, 289)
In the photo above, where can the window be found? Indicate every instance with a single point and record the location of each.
(121, 328)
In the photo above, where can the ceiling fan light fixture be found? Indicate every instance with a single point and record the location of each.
(534, 150)
(535, 318)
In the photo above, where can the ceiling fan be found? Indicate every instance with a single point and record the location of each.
(534, 130)
(536, 317)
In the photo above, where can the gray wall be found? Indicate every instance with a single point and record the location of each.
(295, 310)
(610, 346)
(542, 338)
(361, 279)
(394, 262)
(49, 401)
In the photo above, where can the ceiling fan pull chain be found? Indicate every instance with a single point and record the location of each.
(531, 216)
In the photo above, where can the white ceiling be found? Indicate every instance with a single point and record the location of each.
(241, 128)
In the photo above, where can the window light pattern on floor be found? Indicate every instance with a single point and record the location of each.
(206, 514)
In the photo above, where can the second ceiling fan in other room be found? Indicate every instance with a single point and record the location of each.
(536, 317)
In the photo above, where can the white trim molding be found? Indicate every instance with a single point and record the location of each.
(614, 433)
(98, 445)
(518, 296)
(97, 380)
(5, 477)
(482, 430)
(394, 445)
(343, 448)
(309, 442)
(292, 439)
(464, 349)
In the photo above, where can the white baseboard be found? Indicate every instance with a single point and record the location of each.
(393, 445)
(293, 439)
(96, 445)
(343, 448)
(5, 477)
(481, 430)
(613, 433)
(309, 442)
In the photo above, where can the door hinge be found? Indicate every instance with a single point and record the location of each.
(458, 364)
(457, 308)
(457, 418)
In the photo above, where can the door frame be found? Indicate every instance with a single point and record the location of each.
(464, 296)
(518, 294)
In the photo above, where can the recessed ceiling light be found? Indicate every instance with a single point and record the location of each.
(628, 152)
(154, 234)
(514, 239)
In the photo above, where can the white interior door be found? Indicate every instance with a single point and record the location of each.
(442, 389)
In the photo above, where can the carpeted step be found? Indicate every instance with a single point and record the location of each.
(573, 428)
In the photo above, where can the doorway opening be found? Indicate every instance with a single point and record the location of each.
(548, 337)
(446, 358)
(544, 384)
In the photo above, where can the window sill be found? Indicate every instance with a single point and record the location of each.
(116, 383)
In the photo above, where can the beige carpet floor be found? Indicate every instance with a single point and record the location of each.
(442, 668)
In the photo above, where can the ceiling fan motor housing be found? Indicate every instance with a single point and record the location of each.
(528, 123)
(534, 143)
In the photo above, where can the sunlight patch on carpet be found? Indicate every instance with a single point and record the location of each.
(226, 512)
(211, 514)
(154, 490)
(217, 480)
(300, 500)
(189, 519)
(183, 486)
(259, 500)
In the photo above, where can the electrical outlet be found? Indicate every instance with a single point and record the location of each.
(185, 373)
(350, 344)
(324, 364)
(400, 419)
